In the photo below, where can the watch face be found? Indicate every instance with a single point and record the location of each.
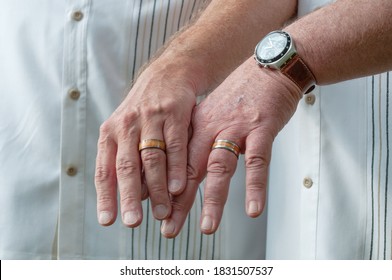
(273, 47)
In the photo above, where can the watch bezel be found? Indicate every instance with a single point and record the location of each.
(279, 60)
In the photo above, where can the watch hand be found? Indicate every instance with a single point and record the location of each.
(270, 42)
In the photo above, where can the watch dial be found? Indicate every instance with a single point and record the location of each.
(272, 46)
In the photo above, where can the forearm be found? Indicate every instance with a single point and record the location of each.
(223, 36)
(345, 40)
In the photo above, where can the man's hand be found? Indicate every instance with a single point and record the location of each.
(159, 106)
(249, 109)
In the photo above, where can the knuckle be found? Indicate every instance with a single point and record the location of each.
(256, 162)
(176, 146)
(105, 199)
(129, 199)
(102, 174)
(105, 128)
(125, 123)
(214, 201)
(169, 106)
(155, 189)
(126, 168)
(194, 174)
(172, 107)
(152, 158)
(259, 167)
(219, 167)
(255, 186)
(179, 206)
(104, 135)
(153, 110)
(128, 118)
(176, 158)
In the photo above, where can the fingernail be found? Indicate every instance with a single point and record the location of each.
(130, 218)
(206, 224)
(253, 208)
(168, 228)
(174, 186)
(105, 217)
(161, 211)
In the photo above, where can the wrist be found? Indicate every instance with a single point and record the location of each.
(283, 84)
(275, 81)
(180, 70)
(190, 65)
(278, 53)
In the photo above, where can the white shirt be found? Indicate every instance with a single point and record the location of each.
(329, 191)
(65, 67)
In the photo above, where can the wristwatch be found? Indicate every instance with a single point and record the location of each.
(277, 51)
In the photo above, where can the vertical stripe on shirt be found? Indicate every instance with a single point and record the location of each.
(188, 237)
(201, 237)
(387, 168)
(147, 224)
(166, 20)
(179, 18)
(136, 40)
(372, 173)
(151, 29)
(380, 150)
(193, 8)
(380, 223)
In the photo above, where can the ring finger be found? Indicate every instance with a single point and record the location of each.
(221, 166)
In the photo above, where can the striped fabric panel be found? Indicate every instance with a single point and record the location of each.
(157, 20)
(147, 242)
(380, 198)
(154, 22)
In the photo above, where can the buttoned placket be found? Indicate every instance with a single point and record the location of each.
(73, 131)
(310, 169)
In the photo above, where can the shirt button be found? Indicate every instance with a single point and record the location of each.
(74, 94)
(72, 170)
(77, 15)
(308, 183)
(310, 98)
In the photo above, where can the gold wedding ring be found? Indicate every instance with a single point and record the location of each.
(227, 145)
(152, 144)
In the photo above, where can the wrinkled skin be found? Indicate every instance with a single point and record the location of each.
(249, 108)
(159, 106)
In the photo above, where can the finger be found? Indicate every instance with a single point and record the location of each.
(198, 151)
(181, 205)
(257, 159)
(176, 138)
(154, 166)
(105, 179)
(128, 169)
(220, 168)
